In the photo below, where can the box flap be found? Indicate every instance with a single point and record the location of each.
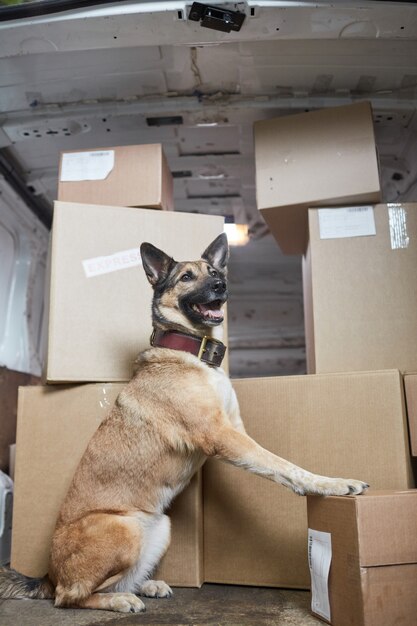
(387, 527)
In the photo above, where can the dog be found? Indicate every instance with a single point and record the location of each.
(178, 409)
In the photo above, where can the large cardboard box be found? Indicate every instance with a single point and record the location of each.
(10, 381)
(320, 158)
(53, 430)
(373, 571)
(100, 299)
(410, 382)
(136, 176)
(344, 425)
(360, 289)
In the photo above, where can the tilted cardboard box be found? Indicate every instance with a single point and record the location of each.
(360, 289)
(348, 425)
(136, 176)
(100, 298)
(320, 158)
(53, 429)
(373, 571)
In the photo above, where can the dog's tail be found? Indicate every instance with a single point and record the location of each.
(15, 585)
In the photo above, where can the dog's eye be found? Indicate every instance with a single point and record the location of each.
(213, 273)
(187, 276)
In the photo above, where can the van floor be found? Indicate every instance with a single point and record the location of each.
(212, 605)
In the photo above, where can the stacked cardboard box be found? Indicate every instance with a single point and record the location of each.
(54, 427)
(136, 176)
(99, 320)
(99, 297)
(361, 297)
(372, 542)
(321, 158)
(318, 190)
(351, 425)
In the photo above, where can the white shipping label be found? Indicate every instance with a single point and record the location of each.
(77, 166)
(353, 221)
(112, 263)
(319, 559)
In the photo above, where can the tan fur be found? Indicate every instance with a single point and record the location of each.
(164, 437)
(175, 412)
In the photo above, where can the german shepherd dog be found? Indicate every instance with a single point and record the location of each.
(178, 409)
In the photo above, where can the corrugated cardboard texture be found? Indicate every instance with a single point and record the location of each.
(9, 383)
(387, 528)
(410, 382)
(364, 297)
(140, 178)
(389, 595)
(374, 556)
(348, 425)
(98, 325)
(53, 430)
(320, 158)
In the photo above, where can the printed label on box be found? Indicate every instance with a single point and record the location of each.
(319, 559)
(77, 166)
(354, 221)
(112, 263)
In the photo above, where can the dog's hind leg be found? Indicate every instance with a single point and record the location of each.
(156, 534)
(91, 555)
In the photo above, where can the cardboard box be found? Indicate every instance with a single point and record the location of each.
(9, 383)
(373, 572)
(136, 176)
(100, 298)
(410, 383)
(53, 430)
(361, 300)
(320, 158)
(344, 425)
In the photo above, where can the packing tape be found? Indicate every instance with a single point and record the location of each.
(397, 216)
(103, 401)
(112, 263)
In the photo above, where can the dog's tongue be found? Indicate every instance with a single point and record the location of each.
(211, 310)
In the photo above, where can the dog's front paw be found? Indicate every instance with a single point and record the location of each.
(155, 589)
(312, 484)
(337, 486)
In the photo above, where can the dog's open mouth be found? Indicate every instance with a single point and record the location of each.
(210, 310)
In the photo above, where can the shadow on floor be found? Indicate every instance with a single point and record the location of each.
(212, 605)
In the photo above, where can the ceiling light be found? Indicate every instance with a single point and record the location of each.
(237, 234)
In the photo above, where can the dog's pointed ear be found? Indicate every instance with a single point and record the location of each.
(217, 253)
(156, 263)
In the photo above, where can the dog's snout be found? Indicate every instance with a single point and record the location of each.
(219, 286)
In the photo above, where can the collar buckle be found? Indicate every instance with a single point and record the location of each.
(210, 351)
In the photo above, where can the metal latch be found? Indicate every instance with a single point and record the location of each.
(216, 17)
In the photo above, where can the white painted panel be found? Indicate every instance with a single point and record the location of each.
(23, 245)
(7, 263)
